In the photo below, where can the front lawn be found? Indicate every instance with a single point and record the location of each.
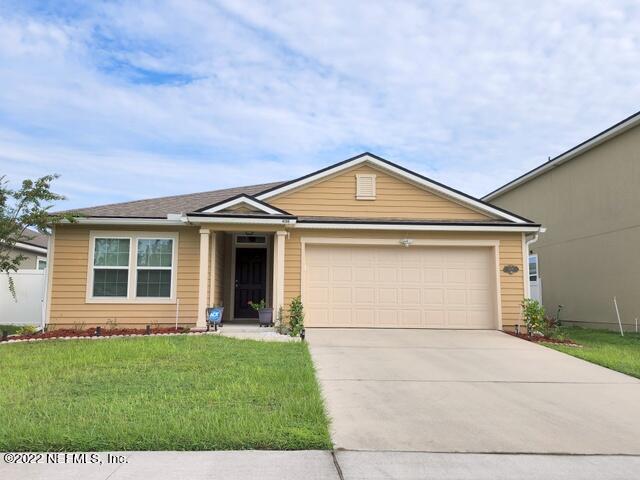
(159, 393)
(606, 348)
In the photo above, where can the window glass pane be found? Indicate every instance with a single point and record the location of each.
(42, 264)
(110, 282)
(154, 252)
(111, 252)
(153, 283)
(533, 269)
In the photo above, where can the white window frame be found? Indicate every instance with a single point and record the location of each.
(371, 176)
(41, 259)
(132, 279)
(529, 258)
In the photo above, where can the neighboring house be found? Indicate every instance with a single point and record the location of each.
(364, 242)
(588, 199)
(26, 307)
(34, 249)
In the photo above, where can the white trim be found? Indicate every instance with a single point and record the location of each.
(30, 248)
(132, 268)
(492, 244)
(407, 227)
(246, 200)
(41, 259)
(203, 278)
(49, 274)
(419, 242)
(475, 204)
(244, 220)
(565, 157)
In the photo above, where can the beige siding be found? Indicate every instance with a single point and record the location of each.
(336, 197)
(69, 286)
(511, 286)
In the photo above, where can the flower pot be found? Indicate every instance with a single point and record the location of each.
(265, 317)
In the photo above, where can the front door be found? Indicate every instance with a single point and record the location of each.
(251, 280)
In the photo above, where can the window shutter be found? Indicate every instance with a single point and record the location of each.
(365, 187)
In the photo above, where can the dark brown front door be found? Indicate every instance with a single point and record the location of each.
(251, 280)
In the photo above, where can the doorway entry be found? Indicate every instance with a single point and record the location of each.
(250, 275)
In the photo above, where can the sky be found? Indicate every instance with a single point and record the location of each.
(129, 100)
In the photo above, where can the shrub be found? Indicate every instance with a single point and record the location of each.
(296, 317)
(534, 316)
(26, 330)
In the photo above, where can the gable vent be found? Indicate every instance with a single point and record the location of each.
(365, 187)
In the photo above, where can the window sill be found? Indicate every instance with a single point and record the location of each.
(365, 198)
(130, 301)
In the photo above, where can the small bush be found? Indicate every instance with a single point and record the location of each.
(534, 316)
(26, 330)
(296, 317)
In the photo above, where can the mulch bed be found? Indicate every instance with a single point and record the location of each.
(543, 339)
(91, 332)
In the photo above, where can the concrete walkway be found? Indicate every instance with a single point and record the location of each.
(322, 465)
(470, 391)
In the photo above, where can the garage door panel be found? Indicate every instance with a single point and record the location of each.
(415, 287)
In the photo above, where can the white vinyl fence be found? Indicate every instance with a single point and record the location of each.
(28, 306)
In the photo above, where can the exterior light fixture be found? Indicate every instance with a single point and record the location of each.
(406, 242)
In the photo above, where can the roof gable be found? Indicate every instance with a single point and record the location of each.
(244, 203)
(473, 207)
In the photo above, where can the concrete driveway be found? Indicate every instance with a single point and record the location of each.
(470, 391)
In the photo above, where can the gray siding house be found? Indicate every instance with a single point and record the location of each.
(588, 199)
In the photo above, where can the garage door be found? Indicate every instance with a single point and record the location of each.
(388, 286)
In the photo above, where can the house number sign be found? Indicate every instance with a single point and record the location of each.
(510, 269)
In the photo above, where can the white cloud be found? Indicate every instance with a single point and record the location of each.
(141, 99)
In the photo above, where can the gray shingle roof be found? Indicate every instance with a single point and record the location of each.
(36, 239)
(161, 206)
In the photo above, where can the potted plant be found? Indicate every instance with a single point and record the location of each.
(265, 314)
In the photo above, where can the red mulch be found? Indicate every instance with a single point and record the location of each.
(91, 332)
(543, 339)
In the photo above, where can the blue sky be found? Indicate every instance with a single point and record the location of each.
(138, 99)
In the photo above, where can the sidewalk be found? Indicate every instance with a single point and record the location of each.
(347, 465)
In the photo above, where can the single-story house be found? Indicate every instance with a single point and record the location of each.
(588, 199)
(364, 243)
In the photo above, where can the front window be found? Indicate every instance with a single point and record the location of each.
(154, 263)
(135, 267)
(111, 267)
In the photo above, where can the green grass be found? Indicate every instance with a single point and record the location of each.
(159, 393)
(10, 329)
(605, 348)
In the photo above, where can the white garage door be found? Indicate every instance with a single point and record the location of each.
(389, 286)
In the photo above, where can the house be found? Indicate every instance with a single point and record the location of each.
(588, 198)
(34, 250)
(23, 305)
(364, 242)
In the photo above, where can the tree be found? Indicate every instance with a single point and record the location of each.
(25, 207)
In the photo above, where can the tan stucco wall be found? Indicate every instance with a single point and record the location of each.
(511, 286)
(395, 198)
(591, 209)
(69, 283)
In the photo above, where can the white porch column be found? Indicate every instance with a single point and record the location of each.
(278, 271)
(212, 276)
(203, 279)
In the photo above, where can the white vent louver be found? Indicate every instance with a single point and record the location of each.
(365, 187)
